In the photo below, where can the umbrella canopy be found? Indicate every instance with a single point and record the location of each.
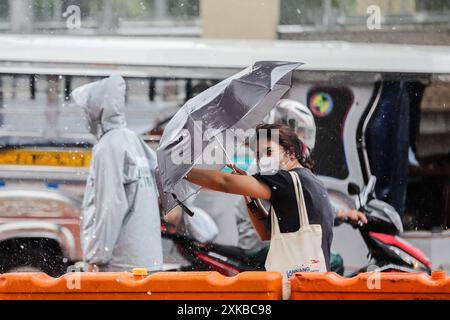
(231, 107)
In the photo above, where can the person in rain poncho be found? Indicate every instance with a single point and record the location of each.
(120, 223)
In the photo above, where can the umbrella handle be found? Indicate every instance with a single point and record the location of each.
(181, 204)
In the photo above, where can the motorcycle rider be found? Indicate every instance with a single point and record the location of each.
(300, 119)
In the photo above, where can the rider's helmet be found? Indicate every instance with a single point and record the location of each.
(298, 117)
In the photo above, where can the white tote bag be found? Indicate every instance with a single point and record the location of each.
(299, 251)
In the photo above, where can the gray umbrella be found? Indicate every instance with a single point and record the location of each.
(238, 102)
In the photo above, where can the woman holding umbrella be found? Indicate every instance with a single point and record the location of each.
(240, 102)
(280, 161)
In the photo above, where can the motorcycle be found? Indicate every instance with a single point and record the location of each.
(388, 252)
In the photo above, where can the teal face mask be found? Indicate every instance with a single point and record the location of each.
(241, 162)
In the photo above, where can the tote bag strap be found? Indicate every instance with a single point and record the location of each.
(275, 227)
(301, 207)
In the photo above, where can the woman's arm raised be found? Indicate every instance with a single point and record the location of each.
(229, 183)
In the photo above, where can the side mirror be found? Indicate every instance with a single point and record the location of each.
(353, 189)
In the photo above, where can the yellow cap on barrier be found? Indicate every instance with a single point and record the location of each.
(140, 271)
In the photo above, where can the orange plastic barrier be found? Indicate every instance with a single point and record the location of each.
(161, 285)
(371, 286)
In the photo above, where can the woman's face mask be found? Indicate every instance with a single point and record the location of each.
(268, 164)
(273, 158)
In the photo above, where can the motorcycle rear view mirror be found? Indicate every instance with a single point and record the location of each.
(353, 189)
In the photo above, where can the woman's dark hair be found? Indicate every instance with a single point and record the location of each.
(290, 142)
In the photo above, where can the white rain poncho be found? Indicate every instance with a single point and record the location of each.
(120, 223)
